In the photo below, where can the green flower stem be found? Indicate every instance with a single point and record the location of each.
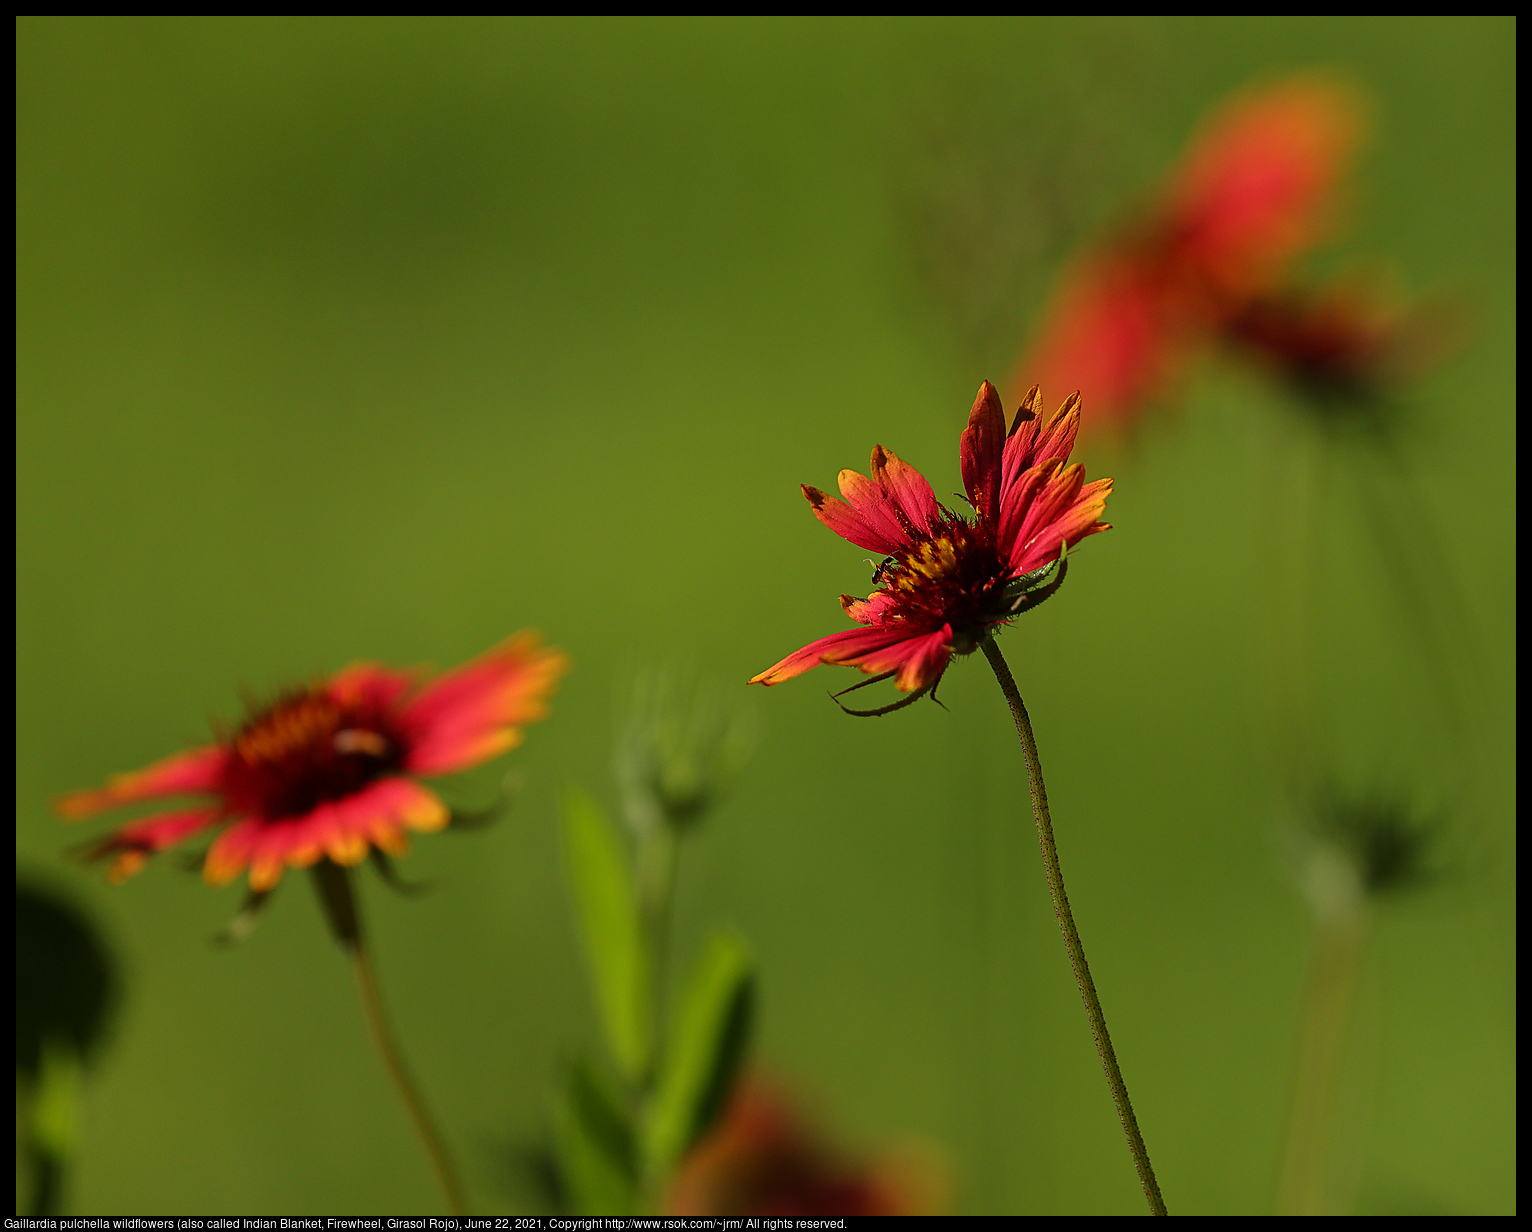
(655, 873)
(655, 860)
(415, 1105)
(1335, 971)
(1071, 936)
(336, 897)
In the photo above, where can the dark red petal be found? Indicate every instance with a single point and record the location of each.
(133, 843)
(980, 450)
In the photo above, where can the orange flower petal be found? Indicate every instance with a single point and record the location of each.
(1033, 441)
(1016, 502)
(125, 865)
(388, 836)
(1054, 497)
(848, 523)
(1067, 513)
(418, 808)
(926, 660)
(231, 852)
(868, 611)
(876, 507)
(195, 771)
(344, 848)
(464, 716)
(265, 873)
(843, 647)
(908, 490)
(151, 834)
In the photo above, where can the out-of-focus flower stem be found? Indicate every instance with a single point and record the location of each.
(399, 1074)
(655, 865)
(338, 899)
(1335, 969)
(1071, 936)
(1299, 465)
(655, 860)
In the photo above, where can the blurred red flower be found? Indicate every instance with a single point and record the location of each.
(1254, 189)
(1351, 340)
(329, 770)
(760, 1159)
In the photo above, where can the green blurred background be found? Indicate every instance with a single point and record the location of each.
(383, 339)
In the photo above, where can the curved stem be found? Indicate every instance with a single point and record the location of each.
(393, 1062)
(1335, 970)
(336, 898)
(1071, 936)
(655, 866)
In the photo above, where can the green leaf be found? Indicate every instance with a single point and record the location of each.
(593, 1137)
(706, 1046)
(56, 1102)
(601, 878)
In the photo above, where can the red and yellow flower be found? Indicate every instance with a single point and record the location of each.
(330, 771)
(761, 1159)
(947, 579)
(1255, 189)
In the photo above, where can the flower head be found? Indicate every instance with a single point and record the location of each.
(1349, 344)
(762, 1160)
(330, 770)
(1376, 844)
(1257, 185)
(948, 579)
(1254, 189)
(682, 741)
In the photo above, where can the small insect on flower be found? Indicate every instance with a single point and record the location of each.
(948, 581)
(329, 771)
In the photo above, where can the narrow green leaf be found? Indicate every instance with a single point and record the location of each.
(706, 1046)
(593, 1137)
(601, 878)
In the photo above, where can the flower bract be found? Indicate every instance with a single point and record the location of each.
(331, 770)
(949, 579)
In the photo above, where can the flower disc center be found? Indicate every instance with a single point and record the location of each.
(952, 576)
(306, 749)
